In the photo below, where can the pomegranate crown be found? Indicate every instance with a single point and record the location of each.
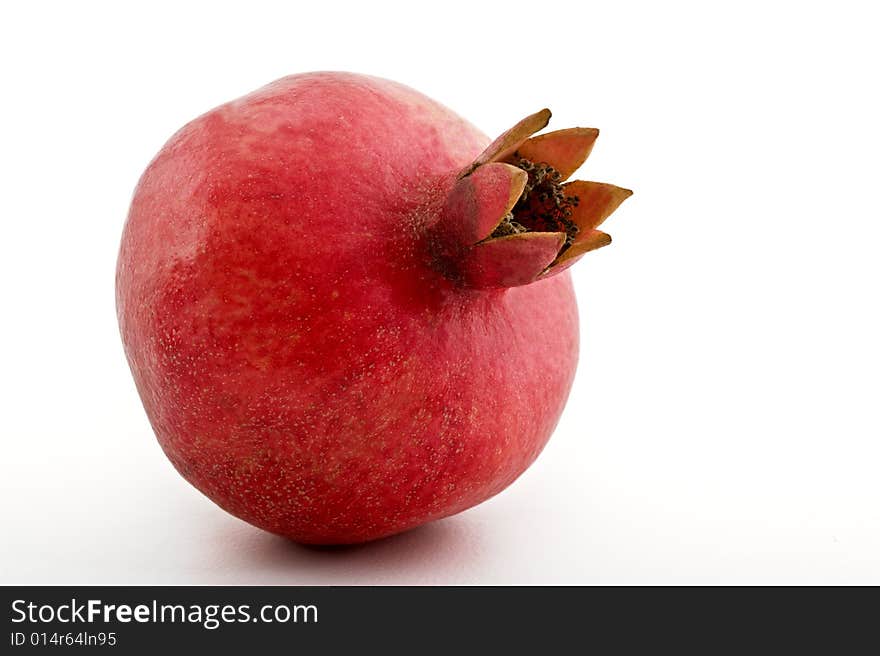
(512, 215)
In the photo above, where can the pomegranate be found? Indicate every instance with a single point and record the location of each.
(346, 312)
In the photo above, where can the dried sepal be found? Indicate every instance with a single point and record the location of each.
(509, 141)
(564, 150)
(596, 202)
(558, 267)
(510, 261)
(479, 201)
(589, 241)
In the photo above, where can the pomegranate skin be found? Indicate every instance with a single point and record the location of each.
(303, 359)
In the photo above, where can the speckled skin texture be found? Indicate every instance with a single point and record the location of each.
(302, 360)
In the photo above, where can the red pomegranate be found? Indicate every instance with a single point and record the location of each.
(346, 312)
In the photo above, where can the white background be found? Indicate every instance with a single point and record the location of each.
(723, 427)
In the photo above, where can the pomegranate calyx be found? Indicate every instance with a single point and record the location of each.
(513, 217)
